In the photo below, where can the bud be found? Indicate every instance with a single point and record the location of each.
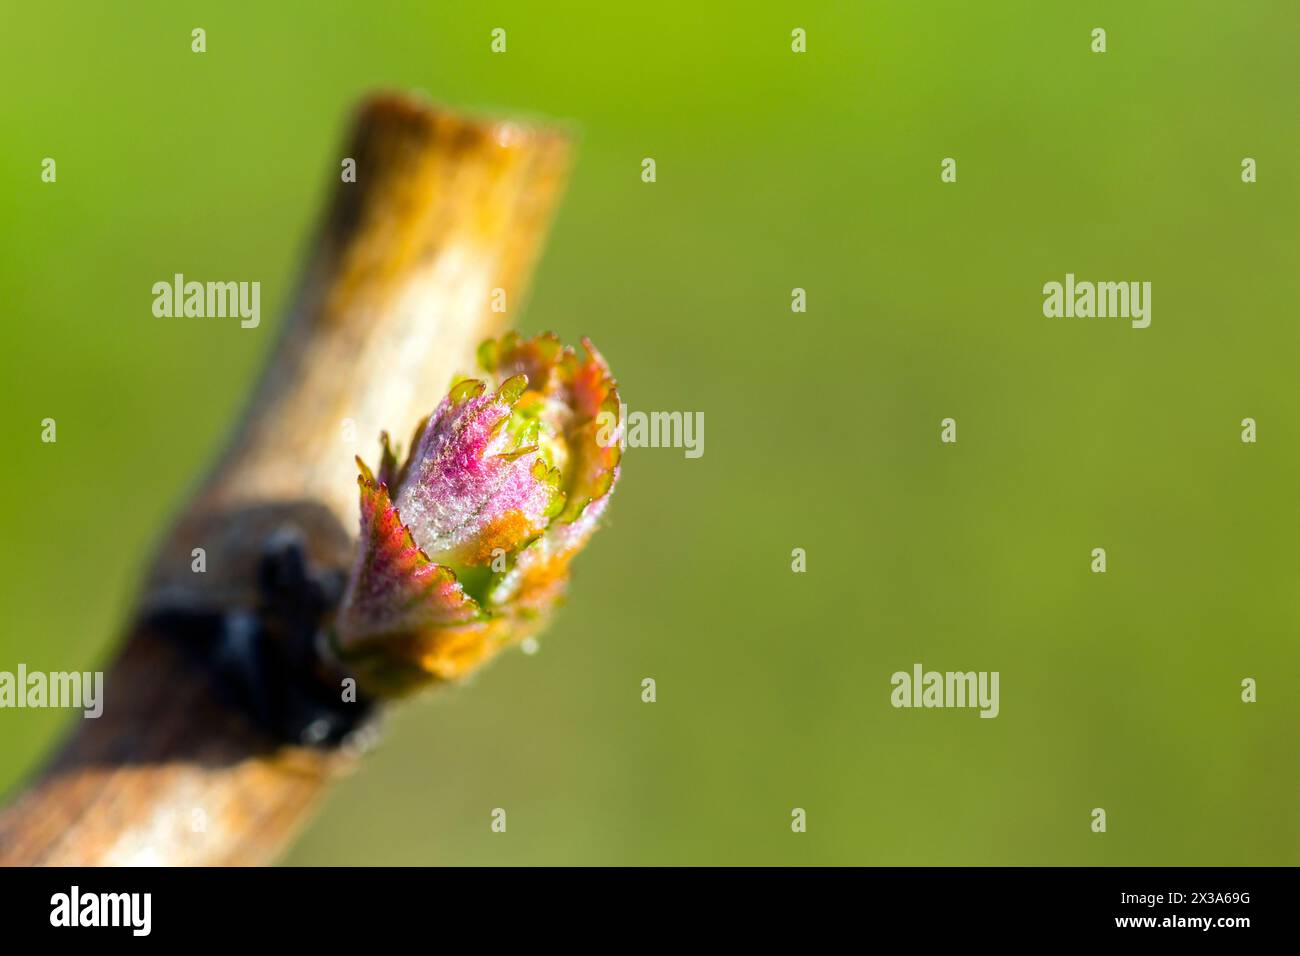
(506, 466)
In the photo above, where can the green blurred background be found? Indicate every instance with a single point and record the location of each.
(775, 170)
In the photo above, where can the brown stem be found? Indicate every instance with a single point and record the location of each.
(395, 299)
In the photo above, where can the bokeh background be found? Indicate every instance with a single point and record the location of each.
(775, 170)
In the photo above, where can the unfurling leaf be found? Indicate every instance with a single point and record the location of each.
(465, 546)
